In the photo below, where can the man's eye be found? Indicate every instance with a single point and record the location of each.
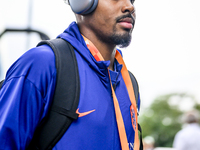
(132, 1)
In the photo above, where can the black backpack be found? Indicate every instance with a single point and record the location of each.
(66, 98)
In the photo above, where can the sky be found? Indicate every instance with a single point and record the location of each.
(163, 54)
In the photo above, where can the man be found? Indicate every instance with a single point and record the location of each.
(110, 122)
(188, 137)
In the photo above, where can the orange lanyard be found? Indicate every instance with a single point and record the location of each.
(133, 109)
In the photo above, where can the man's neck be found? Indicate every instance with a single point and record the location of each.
(107, 50)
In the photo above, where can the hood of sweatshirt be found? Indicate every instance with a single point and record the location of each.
(73, 36)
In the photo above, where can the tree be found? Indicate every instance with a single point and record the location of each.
(162, 120)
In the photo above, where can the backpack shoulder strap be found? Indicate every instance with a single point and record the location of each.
(66, 97)
(1, 83)
(135, 87)
(137, 98)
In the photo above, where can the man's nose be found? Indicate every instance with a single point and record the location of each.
(128, 7)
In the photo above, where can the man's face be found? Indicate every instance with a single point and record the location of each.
(113, 21)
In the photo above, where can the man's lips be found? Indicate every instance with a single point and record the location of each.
(126, 22)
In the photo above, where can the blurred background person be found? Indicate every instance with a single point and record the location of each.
(189, 137)
(148, 143)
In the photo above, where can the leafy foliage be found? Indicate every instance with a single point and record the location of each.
(162, 120)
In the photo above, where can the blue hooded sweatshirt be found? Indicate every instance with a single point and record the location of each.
(27, 93)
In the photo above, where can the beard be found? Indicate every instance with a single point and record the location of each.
(121, 40)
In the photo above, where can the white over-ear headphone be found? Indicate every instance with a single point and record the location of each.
(83, 6)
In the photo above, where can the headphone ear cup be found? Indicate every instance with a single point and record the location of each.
(83, 6)
(92, 8)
